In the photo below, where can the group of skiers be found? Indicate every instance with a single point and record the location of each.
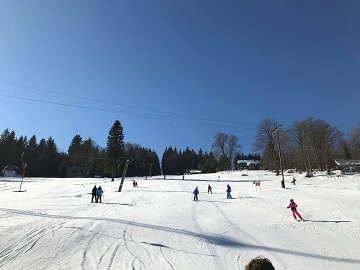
(196, 192)
(96, 194)
(292, 204)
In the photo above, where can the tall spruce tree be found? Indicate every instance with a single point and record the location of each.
(114, 147)
(42, 158)
(53, 160)
(31, 157)
(74, 150)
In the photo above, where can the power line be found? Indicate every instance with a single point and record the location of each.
(160, 117)
(132, 107)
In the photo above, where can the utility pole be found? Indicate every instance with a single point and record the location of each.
(150, 170)
(124, 174)
(24, 165)
(280, 157)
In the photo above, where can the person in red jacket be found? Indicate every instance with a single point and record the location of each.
(293, 206)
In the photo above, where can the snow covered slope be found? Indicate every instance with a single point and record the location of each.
(53, 225)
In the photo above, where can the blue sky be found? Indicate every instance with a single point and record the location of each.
(165, 68)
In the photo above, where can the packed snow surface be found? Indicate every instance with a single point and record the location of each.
(157, 225)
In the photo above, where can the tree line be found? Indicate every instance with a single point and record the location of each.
(178, 162)
(306, 144)
(42, 158)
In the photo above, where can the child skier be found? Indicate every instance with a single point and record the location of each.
(209, 189)
(228, 190)
(196, 192)
(293, 206)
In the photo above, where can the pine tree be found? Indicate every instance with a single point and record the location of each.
(114, 147)
(74, 150)
(52, 160)
(31, 157)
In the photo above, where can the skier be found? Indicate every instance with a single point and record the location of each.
(196, 192)
(93, 194)
(228, 190)
(293, 206)
(99, 193)
(209, 189)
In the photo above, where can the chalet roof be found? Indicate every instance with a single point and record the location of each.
(10, 168)
(347, 162)
(249, 161)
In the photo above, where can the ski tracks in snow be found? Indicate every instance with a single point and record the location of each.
(141, 257)
(248, 237)
(126, 252)
(199, 262)
(207, 243)
(36, 235)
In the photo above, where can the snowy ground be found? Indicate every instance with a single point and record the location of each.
(53, 225)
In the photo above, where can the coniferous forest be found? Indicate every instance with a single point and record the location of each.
(41, 158)
(308, 144)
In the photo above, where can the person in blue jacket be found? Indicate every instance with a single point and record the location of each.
(196, 193)
(228, 192)
(99, 193)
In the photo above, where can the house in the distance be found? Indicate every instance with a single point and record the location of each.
(10, 171)
(248, 164)
(192, 171)
(349, 165)
(73, 172)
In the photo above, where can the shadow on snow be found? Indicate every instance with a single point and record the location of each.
(213, 239)
(331, 221)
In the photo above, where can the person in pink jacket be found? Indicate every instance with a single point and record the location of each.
(293, 206)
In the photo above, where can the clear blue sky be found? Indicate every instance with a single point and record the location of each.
(142, 62)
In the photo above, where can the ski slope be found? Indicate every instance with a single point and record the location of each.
(53, 225)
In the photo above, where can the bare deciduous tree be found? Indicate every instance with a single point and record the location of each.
(266, 142)
(225, 148)
(298, 136)
(316, 141)
(233, 147)
(354, 142)
(219, 144)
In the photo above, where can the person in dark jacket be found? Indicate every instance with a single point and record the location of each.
(93, 194)
(228, 190)
(196, 193)
(209, 189)
(293, 207)
(99, 193)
